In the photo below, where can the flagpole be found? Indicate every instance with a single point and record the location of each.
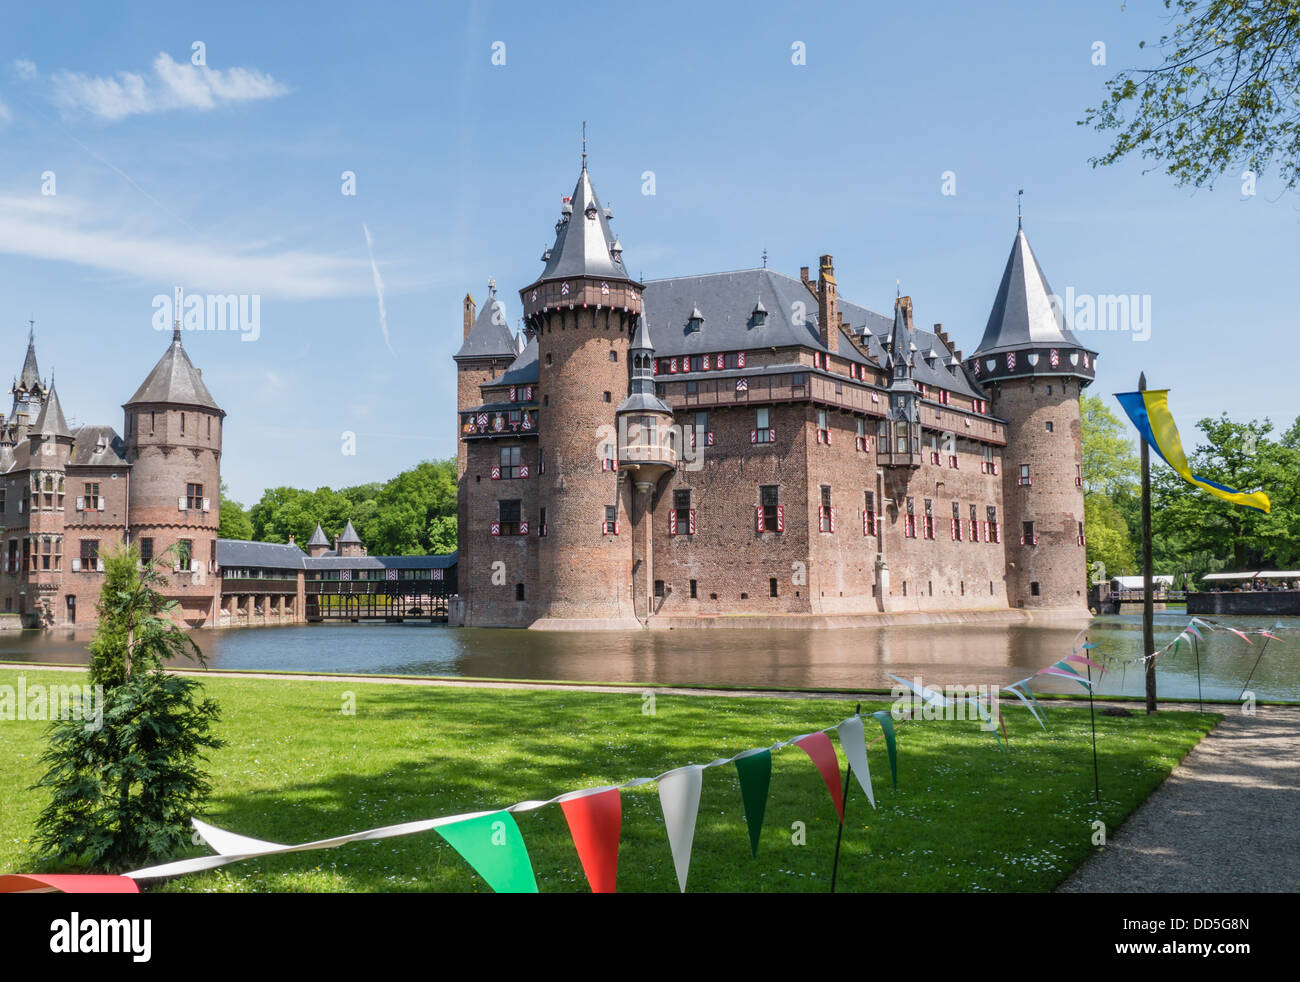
(844, 804)
(1096, 775)
(1148, 627)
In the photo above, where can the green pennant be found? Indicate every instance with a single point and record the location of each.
(755, 773)
(891, 743)
(1030, 692)
(492, 844)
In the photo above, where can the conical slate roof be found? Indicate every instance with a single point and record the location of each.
(583, 242)
(901, 347)
(50, 423)
(641, 396)
(1023, 314)
(490, 336)
(318, 537)
(349, 535)
(31, 376)
(175, 380)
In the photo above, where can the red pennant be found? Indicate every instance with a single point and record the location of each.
(66, 883)
(594, 822)
(818, 746)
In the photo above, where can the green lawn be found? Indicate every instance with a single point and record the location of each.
(966, 816)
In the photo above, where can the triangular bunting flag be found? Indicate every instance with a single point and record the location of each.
(594, 822)
(818, 746)
(1019, 695)
(755, 772)
(679, 797)
(854, 741)
(492, 844)
(891, 743)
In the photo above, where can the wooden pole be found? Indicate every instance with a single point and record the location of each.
(844, 803)
(1148, 628)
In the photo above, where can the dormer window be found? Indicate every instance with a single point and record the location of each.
(591, 211)
(758, 316)
(616, 251)
(695, 322)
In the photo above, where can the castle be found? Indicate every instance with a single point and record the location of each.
(730, 447)
(68, 496)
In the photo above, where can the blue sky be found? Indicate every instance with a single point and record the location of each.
(226, 179)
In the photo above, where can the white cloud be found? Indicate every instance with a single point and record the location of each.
(4, 112)
(172, 85)
(379, 287)
(25, 69)
(66, 230)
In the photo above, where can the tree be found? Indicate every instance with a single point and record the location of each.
(1110, 473)
(1239, 455)
(235, 523)
(1226, 94)
(122, 792)
(1110, 464)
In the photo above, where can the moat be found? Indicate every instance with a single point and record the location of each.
(850, 658)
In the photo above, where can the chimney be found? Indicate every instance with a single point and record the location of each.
(803, 276)
(290, 538)
(336, 545)
(906, 304)
(828, 313)
(469, 314)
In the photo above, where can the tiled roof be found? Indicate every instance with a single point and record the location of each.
(490, 336)
(174, 380)
(97, 446)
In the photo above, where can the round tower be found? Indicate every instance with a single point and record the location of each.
(1035, 370)
(172, 430)
(582, 311)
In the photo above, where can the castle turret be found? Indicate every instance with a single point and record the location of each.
(647, 450)
(582, 310)
(173, 441)
(349, 543)
(902, 447)
(1035, 370)
(318, 544)
(29, 396)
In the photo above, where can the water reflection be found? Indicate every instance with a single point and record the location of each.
(939, 654)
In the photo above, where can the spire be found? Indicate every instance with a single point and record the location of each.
(51, 423)
(1024, 314)
(641, 357)
(176, 316)
(584, 244)
(349, 535)
(490, 336)
(30, 378)
(318, 537)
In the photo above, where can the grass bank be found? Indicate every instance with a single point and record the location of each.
(965, 817)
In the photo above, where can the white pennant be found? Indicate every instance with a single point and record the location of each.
(679, 797)
(854, 741)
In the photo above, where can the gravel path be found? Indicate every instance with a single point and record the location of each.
(1226, 820)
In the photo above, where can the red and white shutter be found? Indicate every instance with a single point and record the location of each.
(740, 360)
(690, 522)
(523, 527)
(495, 528)
(672, 522)
(496, 472)
(821, 518)
(523, 470)
(780, 518)
(758, 519)
(753, 436)
(832, 518)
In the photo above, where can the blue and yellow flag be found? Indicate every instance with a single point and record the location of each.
(1149, 411)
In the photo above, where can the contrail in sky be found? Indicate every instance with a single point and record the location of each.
(379, 287)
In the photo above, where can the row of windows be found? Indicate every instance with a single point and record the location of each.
(136, 420)
(45, 552)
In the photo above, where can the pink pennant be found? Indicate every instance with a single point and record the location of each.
(1267, 635)
(1084, 660)
(1240, 635)
(818, 746)
(594, 822)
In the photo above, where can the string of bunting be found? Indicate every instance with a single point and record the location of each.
(490, 841)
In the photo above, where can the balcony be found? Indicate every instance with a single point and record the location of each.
(491, 423)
